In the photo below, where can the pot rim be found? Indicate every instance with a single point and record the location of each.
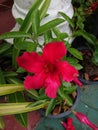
(61, 115)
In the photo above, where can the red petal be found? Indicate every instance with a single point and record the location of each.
(34, 82)
(54, 51)
(31, 62)
(67, 71)
(64, 124)
(52, 84)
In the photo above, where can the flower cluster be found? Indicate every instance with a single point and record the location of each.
(48, 69)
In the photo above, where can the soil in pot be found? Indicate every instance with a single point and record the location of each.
(89, 73)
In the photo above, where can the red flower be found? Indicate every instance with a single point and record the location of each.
(94, 6)
(48, 69)
(68, 125)
(82, 118)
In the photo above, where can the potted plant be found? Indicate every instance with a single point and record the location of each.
(40, 75)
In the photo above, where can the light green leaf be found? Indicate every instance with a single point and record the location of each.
(35, 22)
(75, 53)
(68, 19)
(44, 8)
(51, 24)
(10, 88)
(17, 108)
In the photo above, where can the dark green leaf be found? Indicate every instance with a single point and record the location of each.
(89, 37)
(26, 45)
(65, 96)
(2, 79)
(50, 106)
(4, 47)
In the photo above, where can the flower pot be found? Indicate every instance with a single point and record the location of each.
(64, 114)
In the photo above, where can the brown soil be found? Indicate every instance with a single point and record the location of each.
(90, 70)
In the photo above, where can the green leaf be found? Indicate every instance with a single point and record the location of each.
(27, 21)
(75, 53)
(47, 36)
(95, 57)
(15, 98)
(15, 54)
(22, 119)
(4, 47)
(14, 80)
(10, 74)
(35, 22)
(65, 96)
(15, 34)
(33, 94)
(26, 25)
(44, 8)
(10, 88)
(50, 107)
(2, 125)
(16, 108)
(89, 37)
(2, 79)
(26, 45)
(51, 24)
(68, 19)
(19, 21)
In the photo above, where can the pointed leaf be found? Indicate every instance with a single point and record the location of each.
(50, 106)
(35, 22)
(89, 37)
(50, 25)
(14, 34)
(17, 108)
(68, 19)
(75, 53)
(10, 88)
(44, 8)
(4, 47)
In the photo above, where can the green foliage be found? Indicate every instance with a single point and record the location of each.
(27, 39)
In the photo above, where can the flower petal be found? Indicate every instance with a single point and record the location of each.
(34, 82)
(52, 84)
(67, 71)
(31, 62)
(54, 51)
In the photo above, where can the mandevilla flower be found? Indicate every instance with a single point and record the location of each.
(68, 125)
(48, 69)
(84, 119)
